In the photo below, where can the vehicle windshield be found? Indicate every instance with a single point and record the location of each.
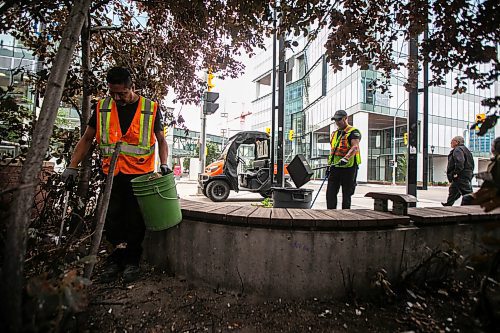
(226, 149)
(246, 156)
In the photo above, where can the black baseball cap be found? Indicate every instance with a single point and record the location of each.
(339, 114)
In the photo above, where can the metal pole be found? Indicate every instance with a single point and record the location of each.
(425, 143)
(203, 137)
(411, 185)
(432, 165)
(281, 110)
(273, 104)
(394, 152)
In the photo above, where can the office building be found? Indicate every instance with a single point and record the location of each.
(314, 92)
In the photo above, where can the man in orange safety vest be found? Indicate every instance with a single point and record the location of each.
(135, 121)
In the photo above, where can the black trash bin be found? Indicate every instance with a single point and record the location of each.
(299, 170)
(291, 197)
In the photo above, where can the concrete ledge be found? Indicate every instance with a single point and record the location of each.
(286, 259)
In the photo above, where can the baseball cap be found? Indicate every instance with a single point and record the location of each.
(339, 114)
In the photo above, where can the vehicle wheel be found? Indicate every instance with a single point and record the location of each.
(204, 190)
(218, 190)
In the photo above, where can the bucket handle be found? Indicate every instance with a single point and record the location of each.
(157, 189)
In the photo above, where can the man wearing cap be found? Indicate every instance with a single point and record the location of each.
(343, 161)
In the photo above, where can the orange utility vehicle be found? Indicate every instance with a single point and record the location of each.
(243, 166)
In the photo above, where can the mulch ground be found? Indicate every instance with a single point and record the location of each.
(161, 303)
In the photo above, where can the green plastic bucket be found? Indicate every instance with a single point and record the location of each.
(157, 198)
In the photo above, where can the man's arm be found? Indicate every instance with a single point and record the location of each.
(354, 148)
(162, 147)
(354, 139)
(82, 147)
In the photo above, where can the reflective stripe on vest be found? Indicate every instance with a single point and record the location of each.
(126, 149)
(146, 122)
(341, 146)
(105, 110)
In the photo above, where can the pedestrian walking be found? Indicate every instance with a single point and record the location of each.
(343, 161)
(135, 121)
(459, 171)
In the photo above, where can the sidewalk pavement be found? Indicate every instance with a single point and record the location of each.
(432, 197)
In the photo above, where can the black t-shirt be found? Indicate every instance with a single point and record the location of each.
(126, 114)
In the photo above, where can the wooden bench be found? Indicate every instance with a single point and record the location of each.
(400, 202)
(294, 218)
(451, 215)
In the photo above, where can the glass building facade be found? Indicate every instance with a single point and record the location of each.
(15, 59)
(314, 92)
(16, 64)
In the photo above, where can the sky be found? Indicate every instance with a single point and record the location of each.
(235, 96)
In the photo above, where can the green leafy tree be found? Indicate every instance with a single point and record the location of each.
(213, 152)
(401, 168)
(185, 163)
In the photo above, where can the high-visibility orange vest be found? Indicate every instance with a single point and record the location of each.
(137, 155)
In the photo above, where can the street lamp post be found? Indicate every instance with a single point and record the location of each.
(432, 165)
(394, 165)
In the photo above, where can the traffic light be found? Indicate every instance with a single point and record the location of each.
(290, 135)
(405, 138)
(268, 130)
(210, 84)
(209, 105)
(480, 118)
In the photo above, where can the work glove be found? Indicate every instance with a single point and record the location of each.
(69, 176)
(165, 170)
(343, 161)
(328, 170)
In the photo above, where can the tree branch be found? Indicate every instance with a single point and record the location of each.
(102, 28)
(99, 4)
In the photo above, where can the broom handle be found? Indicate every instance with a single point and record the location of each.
(101, 213)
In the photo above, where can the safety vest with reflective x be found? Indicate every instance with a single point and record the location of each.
(137, 155)
(340, 146)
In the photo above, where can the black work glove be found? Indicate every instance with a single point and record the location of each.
(165, 170)
(69, 176)
(328, 170)
(343, 161)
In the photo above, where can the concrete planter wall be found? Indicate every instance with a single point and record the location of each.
(294, 263)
